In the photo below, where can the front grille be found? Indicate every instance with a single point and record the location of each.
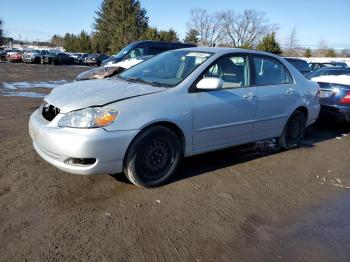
(49, 112)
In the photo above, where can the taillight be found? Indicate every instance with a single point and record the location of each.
(345, 99)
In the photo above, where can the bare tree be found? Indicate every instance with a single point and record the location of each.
(292, 41)
(245, 29)
(292, 44)
(208, 26)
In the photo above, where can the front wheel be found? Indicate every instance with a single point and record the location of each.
(293, 132)
(153, 157)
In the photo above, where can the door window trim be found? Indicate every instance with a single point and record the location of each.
(193, 89)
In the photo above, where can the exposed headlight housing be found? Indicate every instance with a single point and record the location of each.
(91, 117)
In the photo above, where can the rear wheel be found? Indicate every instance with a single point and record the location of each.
(293, 132)
(153, 157)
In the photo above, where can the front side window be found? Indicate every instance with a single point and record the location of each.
(233, 70)
(269, 71)
(167, 69)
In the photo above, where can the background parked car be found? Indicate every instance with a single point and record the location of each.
(14, 56)
(57, 58)
(95, 59)
(3, 55)
(335, 97)
(144, 48)
(299, 64)
(335, 71)
(34, 56)
(316, 65)
(81, 58)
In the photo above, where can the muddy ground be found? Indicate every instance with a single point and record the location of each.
(241, 204)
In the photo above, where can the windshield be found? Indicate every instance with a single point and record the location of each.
(124, 51)
(167, 69)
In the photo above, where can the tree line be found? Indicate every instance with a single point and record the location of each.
(117, 23)
(120, 22)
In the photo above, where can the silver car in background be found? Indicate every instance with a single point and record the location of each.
(177, 104)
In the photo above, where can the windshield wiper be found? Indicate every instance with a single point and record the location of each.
(140, 80)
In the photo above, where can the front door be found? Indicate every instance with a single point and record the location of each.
(225, 116)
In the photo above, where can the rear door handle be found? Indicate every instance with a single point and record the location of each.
(290, 91)
(249, 96)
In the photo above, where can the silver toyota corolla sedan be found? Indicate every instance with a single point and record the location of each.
(177, 104)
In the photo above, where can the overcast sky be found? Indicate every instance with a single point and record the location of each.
(315, 20)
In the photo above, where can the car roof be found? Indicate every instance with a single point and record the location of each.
(294, 58)
(334, 68)
(225, 50)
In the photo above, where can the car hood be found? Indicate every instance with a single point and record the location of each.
(82, 94)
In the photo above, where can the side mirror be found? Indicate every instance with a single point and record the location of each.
(210, 83)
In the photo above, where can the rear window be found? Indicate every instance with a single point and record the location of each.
(303, 66)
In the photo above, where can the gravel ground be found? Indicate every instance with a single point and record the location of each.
(248, 203)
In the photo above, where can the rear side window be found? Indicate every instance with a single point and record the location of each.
(269, 71)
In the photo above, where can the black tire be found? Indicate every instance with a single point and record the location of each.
(293, 132)
(153, 157)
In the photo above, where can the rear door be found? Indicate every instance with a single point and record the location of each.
(276, 95)
(225, 116)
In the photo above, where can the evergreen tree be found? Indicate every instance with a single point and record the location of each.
(84, 42)
(151, 33)
(192, 37)
(1, 39)
(308, 52)
(168, 36)
(269, 44)
(118, 23)
(330, 53)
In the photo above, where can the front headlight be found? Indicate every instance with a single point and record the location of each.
(89, 118)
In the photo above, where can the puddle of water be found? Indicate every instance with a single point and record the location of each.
(19, 88)
(8, 86)
(43, 84)
(24, 94)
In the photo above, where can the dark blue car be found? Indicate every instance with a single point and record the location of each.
(144, 48)
(335, 100)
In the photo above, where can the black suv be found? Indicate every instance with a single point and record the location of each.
(144, 48)
(55, 58)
